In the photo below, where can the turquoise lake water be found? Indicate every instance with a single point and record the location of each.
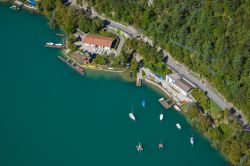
(50, 115)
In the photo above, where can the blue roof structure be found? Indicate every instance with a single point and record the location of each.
(32, 2)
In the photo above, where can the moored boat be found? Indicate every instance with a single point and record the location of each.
(139, 147)
(131, 115)
(14, 7)
(143, 103)
(177, 108)
(161, 99)
(58, 44)
(178, 125)
(192, 140)
(161, 145)
(161, 117)
(50, 43)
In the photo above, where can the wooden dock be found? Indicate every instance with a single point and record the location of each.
(54, 46)
(138, 82)
(166, 103)
(138, 79)
(76, 67)
(60, 34)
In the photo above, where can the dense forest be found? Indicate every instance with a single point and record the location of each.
(210, 37)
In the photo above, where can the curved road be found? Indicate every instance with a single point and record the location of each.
(132, 32)
(121, 42)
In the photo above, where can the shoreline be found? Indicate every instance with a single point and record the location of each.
(156, 89)
(125, 74)
(96, 67)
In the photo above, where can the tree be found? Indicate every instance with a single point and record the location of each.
(84, 24)
(101, 59)
(134, 66)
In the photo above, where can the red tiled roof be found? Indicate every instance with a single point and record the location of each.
(98, 40)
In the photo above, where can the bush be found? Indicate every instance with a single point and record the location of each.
(101, 59)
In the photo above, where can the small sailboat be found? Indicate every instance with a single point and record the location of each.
(177, 108)
(178, 126)
(131, 115)
(161, 116)
(192, 140)
(161, 145)
(139, 147)
(143, 103)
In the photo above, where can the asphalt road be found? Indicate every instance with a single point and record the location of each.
(132, 32)
(121, 42)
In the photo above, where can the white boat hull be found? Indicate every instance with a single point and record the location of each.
(177, 108)
(132, 116)
(161, 99)
(192, 141)
(161, 117)
(178, 126)
(50, 43)
(139, 147)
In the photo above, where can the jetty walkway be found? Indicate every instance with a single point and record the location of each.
(72, 64)
(139, 78)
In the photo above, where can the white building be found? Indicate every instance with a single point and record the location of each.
(179, 84)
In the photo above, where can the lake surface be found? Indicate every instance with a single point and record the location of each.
(50, 115)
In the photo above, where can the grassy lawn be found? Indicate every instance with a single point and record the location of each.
(143, 74)
(216, 111)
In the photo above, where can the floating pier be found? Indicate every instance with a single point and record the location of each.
(73, 65)
(60, 34)
(166, 103)
(55, 46)
(138, 82)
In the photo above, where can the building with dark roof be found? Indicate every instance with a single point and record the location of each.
(180, 84)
